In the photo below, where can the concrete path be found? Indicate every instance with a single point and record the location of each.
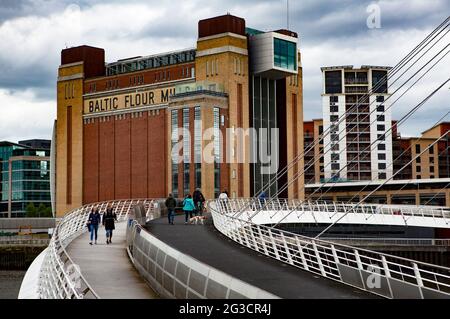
(107, 268)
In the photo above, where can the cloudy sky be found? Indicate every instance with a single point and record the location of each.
(332, 32)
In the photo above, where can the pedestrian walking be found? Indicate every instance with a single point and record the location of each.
(199, 201)
(109, 219)
(223, 198)
(223, 195)
(262, 199)
(188, 208)
(171, 203)
(93, 222)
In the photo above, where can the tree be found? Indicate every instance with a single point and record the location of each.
(31, 210)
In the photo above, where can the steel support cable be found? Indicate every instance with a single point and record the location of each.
(392, 164)
(381, 185)
(395, 69)
(390, 73)
(398, 124)
(299, 174)
(409, 114)
(360, 192)
(374, 110)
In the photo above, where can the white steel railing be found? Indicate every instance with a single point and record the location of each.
(60, 277)
(391, 241)
(238, 206)
(382, 274)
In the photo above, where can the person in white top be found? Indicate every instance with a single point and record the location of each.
(223, 195)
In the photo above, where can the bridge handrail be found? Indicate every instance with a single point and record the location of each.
(328, 259)
(338, 207)
(60, 277)
(444, 242)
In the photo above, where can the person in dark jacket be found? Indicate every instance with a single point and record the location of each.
(171, 203)
(109, 219)
(199, 201)
(93, 222)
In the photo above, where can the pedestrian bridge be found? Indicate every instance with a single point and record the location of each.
(238, 254)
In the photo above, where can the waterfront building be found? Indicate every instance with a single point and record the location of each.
(24, 177)
(117, 123)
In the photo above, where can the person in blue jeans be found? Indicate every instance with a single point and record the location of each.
(171, 204)
(93, 222)
(188, 208)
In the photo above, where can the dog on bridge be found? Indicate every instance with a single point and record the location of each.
(197, 220)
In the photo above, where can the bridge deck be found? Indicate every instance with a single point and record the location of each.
(107, 267)
(209, 246)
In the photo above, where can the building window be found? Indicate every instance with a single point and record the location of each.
(334, 108)
(335, 147)
(418, 160)
(381, 156)
(333, 82)
(198, 146)
(381, 147)
(380, 118)
(379, 81)
(418, 177)
(418, 148)
(380, 98)
(418, 169)
(431, 169)
(334, 99)
(381, 165)
(216, 116)
(335, 166)
(431, 150)
(334, 118)
(186, 151)
(381, 137)
(381, 175)
(334, 137)
(380, 108)
(334, 157)
(380, 127)
(431, 160)
(285, 54)
(174, 126)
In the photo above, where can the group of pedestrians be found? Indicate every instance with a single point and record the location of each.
(107, 220)
(193, 205)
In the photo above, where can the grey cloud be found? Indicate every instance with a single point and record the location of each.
(341, 24)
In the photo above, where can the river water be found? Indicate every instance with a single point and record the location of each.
(10, 281)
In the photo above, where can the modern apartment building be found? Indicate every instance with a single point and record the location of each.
(121, 125)
(433, 163)
(356, 113)
(24, 177)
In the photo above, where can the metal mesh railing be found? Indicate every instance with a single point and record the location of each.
(60, 277)
(382, 274)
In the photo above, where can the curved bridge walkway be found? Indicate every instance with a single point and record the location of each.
(107, 267)
(206, 244)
